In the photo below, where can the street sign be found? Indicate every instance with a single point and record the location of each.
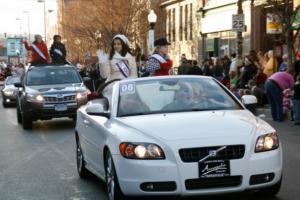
(14, 46)
(238, 23)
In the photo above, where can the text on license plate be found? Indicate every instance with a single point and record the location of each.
(61, 107)
(214, 168)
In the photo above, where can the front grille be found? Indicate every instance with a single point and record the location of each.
(208, 183)
(229, 153)
(53, 99)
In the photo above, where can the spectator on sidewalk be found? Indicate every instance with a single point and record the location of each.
(272, 65)
(195, 70)
(296, 101)
(39, 51)
(284, 64)
(275, 85)
(257, 92)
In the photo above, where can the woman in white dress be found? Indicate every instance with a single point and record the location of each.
(120, 63)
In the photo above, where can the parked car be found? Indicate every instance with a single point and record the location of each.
(49, 91)
(179, 135)
(9, 91)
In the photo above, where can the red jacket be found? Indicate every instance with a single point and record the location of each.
(164, 68)
(35, 56)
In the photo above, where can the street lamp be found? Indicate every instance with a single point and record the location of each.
(152, 17)
(45, 31)
(28, 21)
(19, 20)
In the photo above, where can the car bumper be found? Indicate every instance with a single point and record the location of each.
(9, 99)
(133, 173)
(47, 111)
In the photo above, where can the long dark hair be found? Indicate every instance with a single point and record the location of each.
(124, 51)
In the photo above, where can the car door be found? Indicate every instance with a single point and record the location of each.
(97, 134)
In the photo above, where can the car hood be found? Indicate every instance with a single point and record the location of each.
(56, 89)
(194, 125)
(10, 87)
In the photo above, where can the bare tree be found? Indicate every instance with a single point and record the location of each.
(90, 24)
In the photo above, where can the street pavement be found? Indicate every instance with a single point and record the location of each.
(41, 164)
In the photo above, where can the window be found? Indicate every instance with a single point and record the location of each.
(174, 25)
(169, 24)
(191, 21)
(180, 24)
(186, 22)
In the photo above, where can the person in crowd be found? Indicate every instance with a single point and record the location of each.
(248, 73)
(195, 69)
(287, 102)
(159, 64)
(39, 51)
(260, 78)
(296, 101)
(184, 67)
(284, 64)
(262, 61)
(226, 65)
(119, 64)
(218, 69)
(207, 67)
(272, 65)
(20, 69)
(58, 51)
(233, 78)
(235, 91)
(233, 66)
(258, 92)
(275, 85)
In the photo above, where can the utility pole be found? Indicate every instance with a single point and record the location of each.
(239, 34)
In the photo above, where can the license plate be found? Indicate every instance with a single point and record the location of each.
(214, 168)
(60, 107)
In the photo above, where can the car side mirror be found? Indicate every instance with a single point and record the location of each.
(98, 108)
(18, 85)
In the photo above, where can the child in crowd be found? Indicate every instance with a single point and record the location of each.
(287, 102)
(235, 91)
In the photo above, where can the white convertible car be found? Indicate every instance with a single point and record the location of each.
(178, 135)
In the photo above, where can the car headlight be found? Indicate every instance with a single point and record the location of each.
(8, 93)
(35, 98)
(267, 142)
(142, 151)
(81, 95)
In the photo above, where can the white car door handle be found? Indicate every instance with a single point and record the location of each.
(86, 122)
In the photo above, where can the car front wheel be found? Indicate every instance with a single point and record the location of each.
(82, 171)
(19, 115)
(27, 122)
(112, 184)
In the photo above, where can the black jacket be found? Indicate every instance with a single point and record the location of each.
(56, 57)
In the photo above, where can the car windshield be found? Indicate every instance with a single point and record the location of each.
(52, 76)
(12, 80)
(173, 95)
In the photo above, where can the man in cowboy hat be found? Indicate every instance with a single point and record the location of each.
(159, 63)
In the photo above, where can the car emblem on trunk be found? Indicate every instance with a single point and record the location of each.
(213, 153)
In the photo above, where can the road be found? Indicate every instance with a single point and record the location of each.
(40, 164)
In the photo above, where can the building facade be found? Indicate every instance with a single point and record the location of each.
(182, 29)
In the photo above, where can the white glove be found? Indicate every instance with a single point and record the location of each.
(102, 57)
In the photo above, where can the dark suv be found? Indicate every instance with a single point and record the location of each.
(48, 92)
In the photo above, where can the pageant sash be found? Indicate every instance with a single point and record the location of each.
(159, 58)
(58, 52)
(38, 51)
(124, 69)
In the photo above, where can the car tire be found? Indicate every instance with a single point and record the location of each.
(4, 105)
(82, 171)
(27, 122)
(270, 191)
(113, 189)
(19, 115)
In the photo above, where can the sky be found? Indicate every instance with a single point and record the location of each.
(10, 10)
